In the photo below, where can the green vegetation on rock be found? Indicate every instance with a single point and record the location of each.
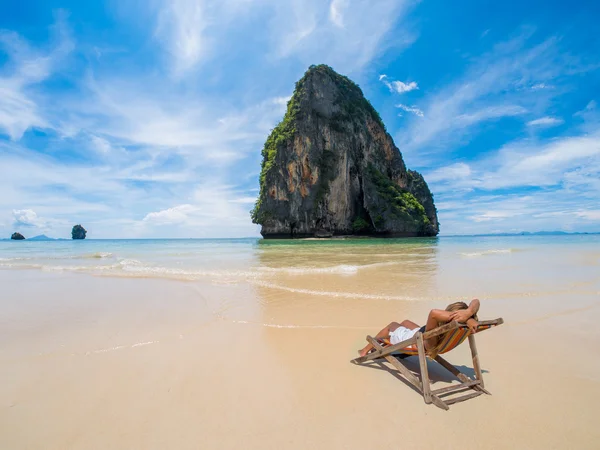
(351, 99)
(280, 135)
(78, 232)
(400, 203)
(360, 225)
(17, 237)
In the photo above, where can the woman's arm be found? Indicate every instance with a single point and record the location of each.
(472, 324)
(433, 321)
(436, 316)
(474, 306)
(462, 315)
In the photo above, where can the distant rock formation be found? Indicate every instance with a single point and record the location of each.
(330, 168)
(41, 237)
(17, 237)
(78, 232)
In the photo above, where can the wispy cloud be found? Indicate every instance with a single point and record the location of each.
(19, 108)
(411, 109)
(180, 27)
(539, 86)
(545, 122)
(558, 172)
(354, 31)
(213, 205)
(336, 12)
(495, 86)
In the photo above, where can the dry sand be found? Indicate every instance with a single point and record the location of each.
(97, 363)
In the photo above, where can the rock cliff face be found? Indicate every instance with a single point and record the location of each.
(330, 168)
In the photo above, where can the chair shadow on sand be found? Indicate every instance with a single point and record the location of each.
(437, 374)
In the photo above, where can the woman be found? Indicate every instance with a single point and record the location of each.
(398, 332)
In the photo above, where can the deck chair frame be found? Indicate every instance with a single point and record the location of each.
(423, 386)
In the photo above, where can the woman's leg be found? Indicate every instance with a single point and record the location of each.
(409, 324)
(385, 332)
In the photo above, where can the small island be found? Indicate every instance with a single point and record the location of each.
(17, 237)
(78, 232)
(331, 168)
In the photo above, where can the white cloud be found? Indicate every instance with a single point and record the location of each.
(401, 87)
(180, 28)
(593, 214)
(282, 101)
(545, 122)
(398, 86)
(177, 214)
(101, 145)
(541, 210)
(538, 86)
(411, 109)
(354, 35)
(541, 165)
(213, 206)
(455, 171)
(193, 31)
(526, 163)
(336, 15)
(563, 177)
(246, 200)
(17, 112)
(27, 218)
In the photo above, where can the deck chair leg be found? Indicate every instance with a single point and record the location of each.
(458, 374)
(475, 356)
(398, 365)
(424, 371)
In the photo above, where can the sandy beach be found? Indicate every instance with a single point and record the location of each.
(142, 363)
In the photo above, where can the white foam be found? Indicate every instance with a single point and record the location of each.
(488, 252)
(120, 347)
(134, 268)
(336, 294)
(288, 326)
(342, 269)
(97, 255)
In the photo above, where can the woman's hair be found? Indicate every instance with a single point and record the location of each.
(451, 307)
(457, 306)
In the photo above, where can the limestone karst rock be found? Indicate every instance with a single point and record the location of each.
(78, 232)
(330, 168)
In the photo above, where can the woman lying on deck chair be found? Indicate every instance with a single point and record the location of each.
(398, 332)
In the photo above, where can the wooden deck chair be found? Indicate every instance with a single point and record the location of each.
(454, 334)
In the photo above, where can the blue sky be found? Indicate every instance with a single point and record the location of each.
(147, 118)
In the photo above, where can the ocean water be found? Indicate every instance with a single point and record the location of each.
(392, 269)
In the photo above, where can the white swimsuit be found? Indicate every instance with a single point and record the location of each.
(401, 334)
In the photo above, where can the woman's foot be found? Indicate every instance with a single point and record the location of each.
(364, 351)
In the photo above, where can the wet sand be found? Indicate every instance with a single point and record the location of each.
(137, 363)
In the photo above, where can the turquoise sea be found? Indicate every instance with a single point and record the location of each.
(371, 268)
